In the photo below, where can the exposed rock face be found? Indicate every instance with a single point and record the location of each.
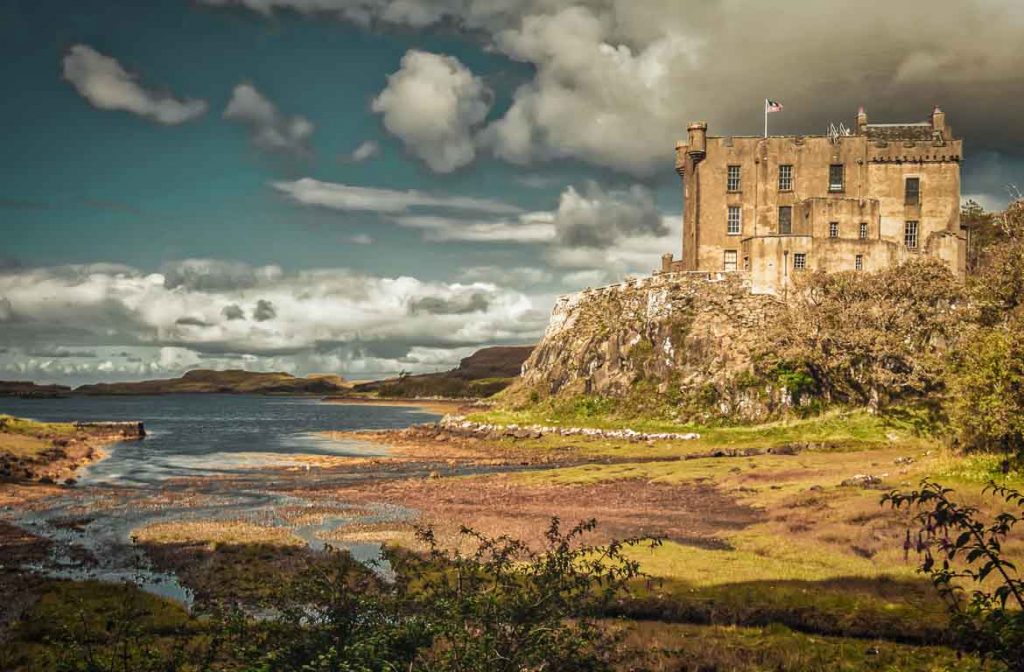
(682, 339)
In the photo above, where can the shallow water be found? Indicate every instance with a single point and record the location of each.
(209, 457)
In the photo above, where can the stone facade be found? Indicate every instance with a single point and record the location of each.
(771, 207)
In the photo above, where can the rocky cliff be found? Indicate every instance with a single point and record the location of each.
(674, 345)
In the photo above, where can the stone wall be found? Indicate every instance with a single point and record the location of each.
(676, 340)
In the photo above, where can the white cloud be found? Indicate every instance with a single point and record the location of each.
(534, 227)
(269, 128)
(309, 191)
(366, 150)
(616, 81)
(105, 83)
(434, 104)
(291, 320)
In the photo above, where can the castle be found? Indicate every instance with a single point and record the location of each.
(851, 200)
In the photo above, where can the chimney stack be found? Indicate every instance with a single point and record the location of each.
(862, 120)
(939, 123)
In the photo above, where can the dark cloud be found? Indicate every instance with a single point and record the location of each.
(599, 219)
(211, 275)
(264, 311)
(456, 305)
(233, 311)
(191, 322)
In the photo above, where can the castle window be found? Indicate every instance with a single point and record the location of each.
(910, 235)
(732, 182)
(785, 219)
(833, 229)
(785, 177)
(863, 230)
(729, 263)
(799, 261)
(858, 262)
(734, 225)
(913, 191)
(835, 177)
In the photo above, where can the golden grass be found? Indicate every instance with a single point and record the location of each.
(215, 532)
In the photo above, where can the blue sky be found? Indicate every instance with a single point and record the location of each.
(164, 161)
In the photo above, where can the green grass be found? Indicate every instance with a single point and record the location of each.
(91, 614)
(27, 438)
(760, 649)
(836, 430)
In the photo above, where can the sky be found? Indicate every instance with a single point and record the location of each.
(371, 186)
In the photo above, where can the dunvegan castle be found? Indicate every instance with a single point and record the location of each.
(852, 200)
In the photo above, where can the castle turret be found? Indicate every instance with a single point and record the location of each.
(698, 132)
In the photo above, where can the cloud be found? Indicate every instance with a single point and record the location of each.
(601, 219)
(309, 191)
(434, 104)
(217, 275)
(306, 321)
(615, 81)
(509, 277)
(359, 239)
(264, 311)
(103, 82)
(366, 150)
(534, 227)
(269, 129)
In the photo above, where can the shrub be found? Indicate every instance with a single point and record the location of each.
(985, 620)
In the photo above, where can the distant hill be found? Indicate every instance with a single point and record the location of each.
(482, 374)
(233, 381)
(25, 388)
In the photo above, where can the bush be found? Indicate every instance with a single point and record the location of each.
(985, 620)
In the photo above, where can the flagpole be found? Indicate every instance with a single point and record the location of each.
(766, 117)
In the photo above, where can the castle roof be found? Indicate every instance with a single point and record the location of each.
(919, 131)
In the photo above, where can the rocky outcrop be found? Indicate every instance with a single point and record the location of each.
(679, 341)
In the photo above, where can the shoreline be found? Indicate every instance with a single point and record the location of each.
(437, 406)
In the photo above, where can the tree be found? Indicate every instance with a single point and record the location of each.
(985, 620)
(997, 286)
(869, 338)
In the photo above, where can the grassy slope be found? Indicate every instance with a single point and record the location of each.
(27, 438)
(825, 558)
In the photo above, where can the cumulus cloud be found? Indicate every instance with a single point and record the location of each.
(335, 196)
(105, 83)
(434, 104)
(601, 219)
(269, 128)
(617, 80)
(312, 320)
(364, 151)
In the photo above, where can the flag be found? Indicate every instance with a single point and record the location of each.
(772, 106)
